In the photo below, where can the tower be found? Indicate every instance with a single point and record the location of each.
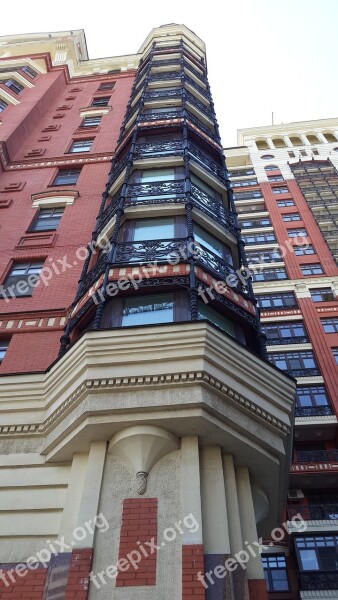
(161, 408)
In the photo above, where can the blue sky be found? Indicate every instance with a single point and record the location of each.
(263, 56)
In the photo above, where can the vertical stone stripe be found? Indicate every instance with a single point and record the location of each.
(137, 557)
(57, 577)
(192, 565)
(78, 575)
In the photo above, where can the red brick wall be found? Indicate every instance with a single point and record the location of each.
(21, 129)
(30, 586)
(192, 564)
(139, 525)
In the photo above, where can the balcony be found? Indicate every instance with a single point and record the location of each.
(316, 456)
(283, 341)
(314, 512)
(313, 372)
(318, 580)
(313, 411)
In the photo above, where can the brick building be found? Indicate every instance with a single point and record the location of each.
(158, 419)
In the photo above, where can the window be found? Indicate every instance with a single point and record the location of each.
(157, 175)
(30, 72)
(47, 219)
(271, 168)
(303, 250)
(91, 122)
(274, 301)
(107, 85)
(322, 295)
(264, 256)
(295, 361)
(66, 177)
(13, 85)
(247, 195)
(81, 146)
(275, 178)
(208, 313)
(281, 189)
(148, 310)
(256, 223)
(335, 354)
(330, 325)
(21, 279)
(3, 105)
(244, 183)
(3, 349)
(241, 172)
(291, 329)
(275, 573)
(103, 101)
(269, 274)
(291, 217)
(317, 553)
(209, 241)
(303, 153)
(267, 156)
(311, 269)
(291, 153)
(149, 229)
(301, 232)
(259, 238)
(284, 203)
(311, 395)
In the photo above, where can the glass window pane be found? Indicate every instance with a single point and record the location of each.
(158, 175)
(154, 229)
(148, 310)
(309, 560)
(205, 312)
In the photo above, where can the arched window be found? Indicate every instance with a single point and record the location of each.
(330, 138)
(271, 168)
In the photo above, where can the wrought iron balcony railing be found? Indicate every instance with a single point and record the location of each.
(313, 411)
(163, 94)
(148, 251)
(161, 116)
(156, 188)
(314, 512)
(206, 161)
(304, 372)
(159, 149)
(318, 580)
(283, 341)
(317, 456)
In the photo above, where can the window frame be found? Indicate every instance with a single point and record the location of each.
(282, 326)
(319, 541)
(312, 396)
(32, 228)
(276, 296)
(100, 101)
(12, 280)
(74, 142)
(269, 569)
(66, 183)
(321, 290)
(84, 123)
(313, 267)
(4, 344)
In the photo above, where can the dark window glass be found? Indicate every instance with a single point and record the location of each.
(312, 395)
(303, 250)
(148, 310)
(3, 349)
(335, 354)
(292, 329)
(275, 301)
(66, 177)
(107, 85)
(330, 325)
(13, 85)
(255, 223)
(275, 573)
(269, 274)
(284, 203)
(91, 122)
(291, 217)
(290, 361)
(281, 189)
(312, 269)
(209, 241)
(47, 219)
(275, 178)
(241, 172)
(259, 238)
(3, 105)
(317, 553)
(21, 279)
(103, 101)
(300, 232)
(30, 72)
(244, 183)
(81, 146)
(322, 295)
(247, 195)
(271, 168)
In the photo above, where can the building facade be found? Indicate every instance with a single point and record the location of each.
(145, 438)
(284, 179)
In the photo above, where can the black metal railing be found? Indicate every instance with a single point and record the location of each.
(159, 149)
(95, 272)
(160, 116)
(318, 580)
(311, 372)
(149, 251)
(313, 411)
(282, 341)
(314, 512)
(206, 161)
(211, 262)
(155, 188)
(316, 456)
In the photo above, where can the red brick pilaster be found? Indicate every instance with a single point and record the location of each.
(78, 575)
(137, 559)
(192, 564)
(257, 589)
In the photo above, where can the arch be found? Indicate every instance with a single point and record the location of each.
(313, 139)
(296, 140)
(272, 168)
(330, 137)
(278, 142)
(262, 144)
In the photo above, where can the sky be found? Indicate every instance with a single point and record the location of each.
(263, 57)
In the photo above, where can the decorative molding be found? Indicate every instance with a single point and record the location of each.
(186, 378)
